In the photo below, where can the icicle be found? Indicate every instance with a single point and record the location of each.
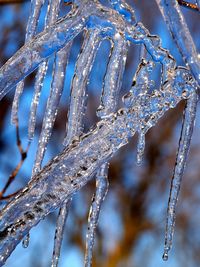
(143, 80)
(60, 224)
(35, 10)
(184, 145)
(76, 112)
(138, 97)
(113, 78)
(140, 147)
(79, 83)
(111, 88)
(25, 241)
(57, 85)
(98, 198)
(52, 14)
(176, 22)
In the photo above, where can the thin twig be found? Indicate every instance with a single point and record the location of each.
(189, 5)
(11, 195)
(14, 173)
(10, 2)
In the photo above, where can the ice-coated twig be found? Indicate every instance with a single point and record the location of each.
(35, 10)
(60, 225)
(181, 158)
(78, 93)
(42, 46)
(75, 166)
(78, 96)
(51, 16)
(175, 20)
(97, 200)
(57, 85)
(64, 30)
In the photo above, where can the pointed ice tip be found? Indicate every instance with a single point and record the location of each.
(139, 160)
(165, 256)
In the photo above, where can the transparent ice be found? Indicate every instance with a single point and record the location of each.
(86, 155)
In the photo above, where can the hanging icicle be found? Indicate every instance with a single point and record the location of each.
(76, 112)
(140, 147)
(109, 100)
(113, 78)
(60, 63)
(181, 158)
(78, 94)
(60, 225)
(97, 200)
(51, 16)
(35, 10)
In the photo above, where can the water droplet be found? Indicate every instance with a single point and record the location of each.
(25, 241)
(165, 256)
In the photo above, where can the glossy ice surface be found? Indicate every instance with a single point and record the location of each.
(85, 155)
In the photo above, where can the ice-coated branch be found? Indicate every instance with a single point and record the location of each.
(181, 158)
(42, 46)
(75, 166)
(64, 30)
(178, 27)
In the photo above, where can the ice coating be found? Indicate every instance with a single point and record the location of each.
(124, 9)
(141, 86)
(93, 15)
(72, 168)
(53, 186)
